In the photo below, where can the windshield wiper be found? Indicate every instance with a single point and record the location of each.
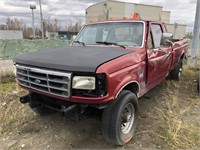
(110, 43)
(80, 42)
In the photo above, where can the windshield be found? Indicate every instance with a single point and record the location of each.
(112, 33)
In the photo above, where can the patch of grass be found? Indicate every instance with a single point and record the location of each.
(12, 111)
(10, 90)
(8, 86)
(177, 132)
(7, 77)
(189, 72)
(11, 48)
(179, 128)
(12, 117)
(197, 62)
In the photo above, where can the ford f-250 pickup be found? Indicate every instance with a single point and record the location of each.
(108, 66)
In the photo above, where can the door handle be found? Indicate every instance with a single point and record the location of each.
(160, 50)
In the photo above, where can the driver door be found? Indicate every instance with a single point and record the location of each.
(158, 57)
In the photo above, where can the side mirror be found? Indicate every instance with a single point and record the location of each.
(166, 39)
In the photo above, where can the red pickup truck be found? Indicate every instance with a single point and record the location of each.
(108, 66)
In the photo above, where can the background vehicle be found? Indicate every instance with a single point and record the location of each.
(108, 66)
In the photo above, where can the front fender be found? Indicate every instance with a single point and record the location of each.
(122, 78)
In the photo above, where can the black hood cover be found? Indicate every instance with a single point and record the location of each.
(76, 58)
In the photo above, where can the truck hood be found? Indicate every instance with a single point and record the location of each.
(77, 58)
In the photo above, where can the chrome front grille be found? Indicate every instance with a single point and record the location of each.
(48, 81)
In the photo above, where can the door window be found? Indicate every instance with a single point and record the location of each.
(156, 32)
(150, 42)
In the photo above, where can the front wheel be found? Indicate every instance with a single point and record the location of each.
(120, 118)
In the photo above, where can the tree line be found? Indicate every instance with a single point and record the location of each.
(50, 26)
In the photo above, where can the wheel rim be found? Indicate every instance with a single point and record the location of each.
(128, 118)
(179, 73)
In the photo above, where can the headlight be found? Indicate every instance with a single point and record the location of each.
(83, 83)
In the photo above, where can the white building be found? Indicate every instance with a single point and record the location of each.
(112, 9)
(51, 35)
(117, 10)
(179, 30)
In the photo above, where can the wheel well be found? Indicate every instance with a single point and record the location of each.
(133, 87)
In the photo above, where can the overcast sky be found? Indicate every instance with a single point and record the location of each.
(182, 11)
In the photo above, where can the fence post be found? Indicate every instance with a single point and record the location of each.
(42, 25)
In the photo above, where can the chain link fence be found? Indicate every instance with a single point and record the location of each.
(10, 48)
(22, 32)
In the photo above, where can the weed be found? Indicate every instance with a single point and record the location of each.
(7, 77)
(12, 116)
(178, 130)
(12, 112)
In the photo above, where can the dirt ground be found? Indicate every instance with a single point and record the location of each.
(169, 119)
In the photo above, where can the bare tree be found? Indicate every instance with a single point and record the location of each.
(74, 27)
(13, 24)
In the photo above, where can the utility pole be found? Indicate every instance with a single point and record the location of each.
(107, 13)
(32, 7)
(195, 37)
(42, 25)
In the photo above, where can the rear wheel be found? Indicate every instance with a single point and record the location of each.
(120, 118)
(177, 71)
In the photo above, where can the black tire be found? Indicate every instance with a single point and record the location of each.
(117, 126)
(176, 72)
(38, 108)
